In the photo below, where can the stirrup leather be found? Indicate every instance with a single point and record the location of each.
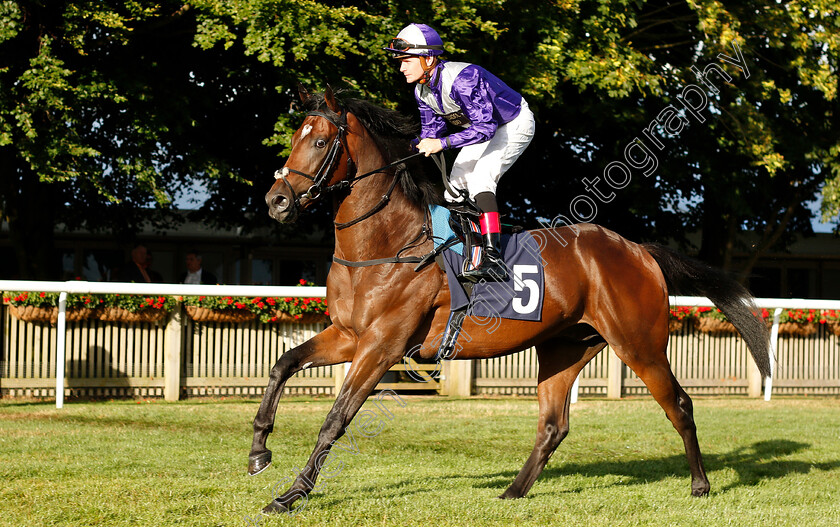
(450, 338)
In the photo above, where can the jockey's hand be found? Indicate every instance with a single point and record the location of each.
(429, 146)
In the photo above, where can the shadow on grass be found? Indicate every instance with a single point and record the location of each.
(760, 461)
(763, 460)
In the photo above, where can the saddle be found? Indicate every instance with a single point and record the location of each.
(463, 239)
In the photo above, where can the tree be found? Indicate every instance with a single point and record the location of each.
(108, 109)
(115, 106)
(597, 73)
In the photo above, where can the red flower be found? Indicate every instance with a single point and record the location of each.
(302, 281)
(270, 301)
(43, 294)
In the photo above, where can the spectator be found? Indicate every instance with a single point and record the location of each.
(154, 276)
(195, 274)
(135, 270)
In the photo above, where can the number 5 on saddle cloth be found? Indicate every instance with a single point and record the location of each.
(520, 297)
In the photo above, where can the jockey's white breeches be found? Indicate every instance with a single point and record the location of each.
(479, 167)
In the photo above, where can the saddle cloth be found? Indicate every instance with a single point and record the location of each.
(520, 297)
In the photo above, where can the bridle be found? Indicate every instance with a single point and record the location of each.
(328, 166)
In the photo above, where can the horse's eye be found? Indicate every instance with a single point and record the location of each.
(320, 143)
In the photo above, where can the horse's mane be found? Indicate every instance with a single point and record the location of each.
(393, 133)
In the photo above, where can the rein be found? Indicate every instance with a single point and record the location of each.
(329, 165)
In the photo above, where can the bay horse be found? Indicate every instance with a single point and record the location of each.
(599, 289)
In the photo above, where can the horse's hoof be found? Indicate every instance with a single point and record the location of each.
(259, 462)
(275, 507)
(700, 490)
(508, 495)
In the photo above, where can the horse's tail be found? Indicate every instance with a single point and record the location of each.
(686, 276)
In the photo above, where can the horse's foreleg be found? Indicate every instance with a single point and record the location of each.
(324, 349)
(560, 362)
(367, 369)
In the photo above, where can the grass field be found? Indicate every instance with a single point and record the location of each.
(436, 462)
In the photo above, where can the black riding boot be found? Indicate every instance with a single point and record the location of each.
(491, 268)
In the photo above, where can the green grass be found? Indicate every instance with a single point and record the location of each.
(437, 462)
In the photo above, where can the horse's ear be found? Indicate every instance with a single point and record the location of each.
(303, 93)
(329, 98)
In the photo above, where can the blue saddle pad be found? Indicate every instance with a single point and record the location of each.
(518, 298)
(441, 230)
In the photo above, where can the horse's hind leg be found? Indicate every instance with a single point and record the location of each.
(560, 363)
(324, 349)
(655, 371)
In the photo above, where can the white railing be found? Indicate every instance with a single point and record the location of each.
(80, 287)
(778, 304)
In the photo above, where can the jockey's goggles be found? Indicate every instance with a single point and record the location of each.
(400, 44)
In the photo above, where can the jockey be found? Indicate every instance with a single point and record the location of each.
(495, 126)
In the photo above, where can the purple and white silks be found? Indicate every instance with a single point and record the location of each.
(484, 99)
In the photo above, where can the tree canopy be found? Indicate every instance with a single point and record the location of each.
(655, 118)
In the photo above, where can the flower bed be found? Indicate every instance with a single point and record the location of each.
(39, 314)
(208, 314)
(41, 307)
(267, 309)
(134, 309)
(797, 322)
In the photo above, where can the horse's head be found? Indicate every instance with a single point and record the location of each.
(319, 160)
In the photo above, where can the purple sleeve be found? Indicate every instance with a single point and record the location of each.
(470, 92)
(432, 125)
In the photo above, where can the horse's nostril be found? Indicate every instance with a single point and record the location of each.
(280, 201)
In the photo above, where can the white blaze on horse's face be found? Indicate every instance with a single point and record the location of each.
(305, 130)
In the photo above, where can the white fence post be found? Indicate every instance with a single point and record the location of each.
(460, 378)
(575, 387)
(60, 352)
(339, 374)
(774, 345)
(173, 343)
(615, 380)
